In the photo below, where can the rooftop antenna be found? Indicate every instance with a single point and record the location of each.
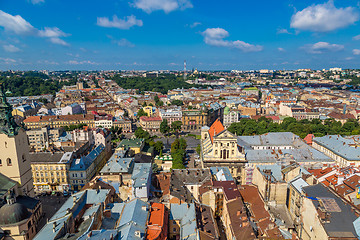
(184, 70)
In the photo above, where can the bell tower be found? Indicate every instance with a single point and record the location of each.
(14, 149)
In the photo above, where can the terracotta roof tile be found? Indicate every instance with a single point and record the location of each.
(215, 129)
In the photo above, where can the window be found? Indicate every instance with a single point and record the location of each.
(0, 162)
(9, 163)
(215, 152)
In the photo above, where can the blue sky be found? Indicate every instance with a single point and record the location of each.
(161, 34)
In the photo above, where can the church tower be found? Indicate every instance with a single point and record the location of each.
(14, 149)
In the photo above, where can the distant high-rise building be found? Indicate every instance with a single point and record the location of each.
(14, 149)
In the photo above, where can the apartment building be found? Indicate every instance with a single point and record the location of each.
(58, 121)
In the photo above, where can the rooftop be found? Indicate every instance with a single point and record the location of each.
(342, 215)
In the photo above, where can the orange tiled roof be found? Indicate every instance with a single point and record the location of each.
(308, 139)
(75, 117)
(156, 224)
(320, 172)
(333, 179)
(215, 129)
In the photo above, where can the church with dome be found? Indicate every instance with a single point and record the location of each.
(19, 214)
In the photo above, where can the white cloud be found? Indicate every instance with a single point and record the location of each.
(11, 48)
(356, 51)
(8, 60)
(282, 31)
(59, 41)
(321, 47)
(75, 62)
(37, 1)
(20, 26)
(164, 5)
(324, 18)
(125, 23)
(52, 32)
(215, 37)
(15, 24)
(195, 24)
(281, 49)
(123, 43)
(357, 37)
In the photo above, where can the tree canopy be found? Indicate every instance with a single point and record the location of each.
(163, 83)
(178, 153)
(247, 127)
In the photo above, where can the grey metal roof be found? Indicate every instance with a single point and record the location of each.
(141, 174)
(187, 216)
(340, 223)
(117, 164)
(346, 147)
(221, 173)
(298, 184)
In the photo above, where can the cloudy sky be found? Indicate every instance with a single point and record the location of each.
(161, 34)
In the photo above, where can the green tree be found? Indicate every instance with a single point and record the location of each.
(176, 126)
(164, 127)
(177, 102)
(141, 113)
(141, 133)
(159, 146)
(198, 149)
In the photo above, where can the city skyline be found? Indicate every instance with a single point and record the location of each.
(161, 34)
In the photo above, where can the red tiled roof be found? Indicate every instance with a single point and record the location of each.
(353, 181)
(229, 187)
(215, 129)
(250, 194)
(337, 115)
(343, 189)
(145, 118)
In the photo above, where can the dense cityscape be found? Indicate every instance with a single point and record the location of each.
(179, 120)
(189, 155)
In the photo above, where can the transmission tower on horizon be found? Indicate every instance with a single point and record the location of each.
(184, 70)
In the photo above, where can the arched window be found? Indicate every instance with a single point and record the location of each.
(9, 163)
(5, 144)
(0, 162)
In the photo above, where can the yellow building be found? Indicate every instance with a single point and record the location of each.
(150, 111)
(193, 120)
(50, 171)
(150, 124)
(135, 145)
(14, 149)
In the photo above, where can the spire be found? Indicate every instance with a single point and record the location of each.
(7, 122)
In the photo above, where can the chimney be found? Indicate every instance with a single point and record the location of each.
(54, 226)
(89, 234)
(238, 213)
(74, 200)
